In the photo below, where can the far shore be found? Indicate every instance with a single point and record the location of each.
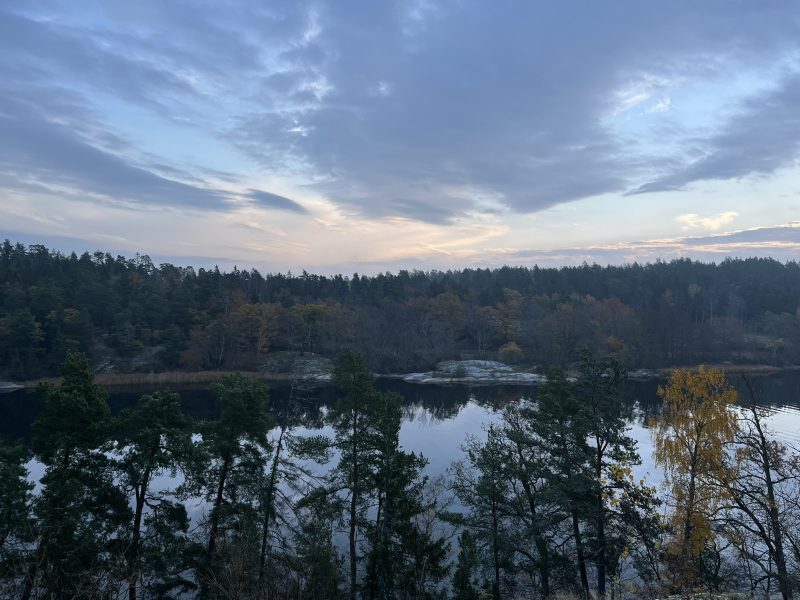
(111, 380)
(189, 378)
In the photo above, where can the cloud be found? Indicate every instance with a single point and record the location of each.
(398, 109)
(781, 242)
(663, 105)
(55, 144)
(761, 138)
(694, 221)
(513, 101)
(269, 200)
(34, 148)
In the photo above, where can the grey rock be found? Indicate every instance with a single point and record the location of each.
(643, 374)
(474, 372)
(304, 368)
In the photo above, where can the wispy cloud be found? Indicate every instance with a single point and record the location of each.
(780, 241)
(663, 105)
(712, 223)
(390, 129)
(761, 137)
(270, 200)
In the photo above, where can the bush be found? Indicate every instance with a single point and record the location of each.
(510, 353)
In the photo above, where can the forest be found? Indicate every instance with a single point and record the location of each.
(129, 315)
(544, 505)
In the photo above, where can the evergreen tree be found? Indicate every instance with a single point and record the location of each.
(316, 561)
(465, 576)
(229, 473)
(80, 512)
(404, 558)
(613, 453)
(15, 518)
(481, 485)
(560, 422)
(153, 437)
(291, 476)
(354, 472)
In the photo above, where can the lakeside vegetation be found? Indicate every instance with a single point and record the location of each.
(130, 315)
(149, 504)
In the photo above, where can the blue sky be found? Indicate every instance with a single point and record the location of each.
(365, 136)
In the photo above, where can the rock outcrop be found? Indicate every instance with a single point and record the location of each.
(308, 368)
(474, 372)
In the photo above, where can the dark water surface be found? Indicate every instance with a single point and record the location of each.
(436, 419)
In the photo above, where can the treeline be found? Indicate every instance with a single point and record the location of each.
(150, 505)
(130, 315)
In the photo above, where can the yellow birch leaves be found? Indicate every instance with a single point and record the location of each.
(691, 437)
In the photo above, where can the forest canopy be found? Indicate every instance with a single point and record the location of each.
(130, 315)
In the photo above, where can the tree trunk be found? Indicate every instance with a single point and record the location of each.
(133, 573)
(581, 558)
(600, 556)
(541, 545)
(30, 577)
(774, 516)
(495, 553)
(353, 511)
(270, 502)
(686, 559)
(212, 538)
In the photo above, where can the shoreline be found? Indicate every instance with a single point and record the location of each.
(189, 378)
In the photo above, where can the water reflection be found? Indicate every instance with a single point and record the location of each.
(436, 418)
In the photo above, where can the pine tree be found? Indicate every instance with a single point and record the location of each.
(561, 423)
(482, 486)
(16, 527)
(465, 576)
(598, 391)
(80, 512)
(352, 424)
(291, 474)
(229, 473)
(153, 437)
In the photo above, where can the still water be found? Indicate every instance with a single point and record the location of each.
(436, 419)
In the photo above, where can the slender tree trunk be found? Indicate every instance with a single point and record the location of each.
(374, 577)
(495, 552)
(221, 352)
(212, 538)
(544, 555)
(30, 576)
(576, 530)
(544, 565)
(600, 556)
(384, 532)
(133, 572)
(270, 503)
(774, 516)
(686, 559)
(541, 545)
(353, 510)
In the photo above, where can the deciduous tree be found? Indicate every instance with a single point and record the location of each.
(691, 437)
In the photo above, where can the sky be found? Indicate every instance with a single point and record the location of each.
(349, 136)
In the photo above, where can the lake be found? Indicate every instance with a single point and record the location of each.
(437, 419)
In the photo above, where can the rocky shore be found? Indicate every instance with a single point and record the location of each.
(474, 372)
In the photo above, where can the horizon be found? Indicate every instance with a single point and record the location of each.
(159, 261)
(362, 137)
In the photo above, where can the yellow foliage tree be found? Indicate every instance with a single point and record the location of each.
(691, 436)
